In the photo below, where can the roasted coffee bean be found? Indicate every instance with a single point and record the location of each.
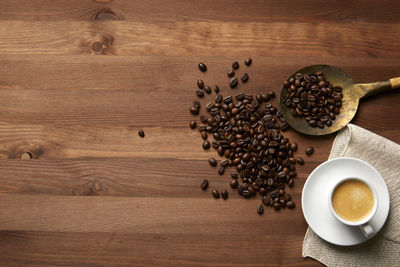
(215, 193)
(248, 61)
(204, 184)
(224, 194)
(246, 193)
(265, 201)
(271, 94)
(141, 133)
(233, 82)
(260, 209)
(212, 161)
(196, 103)
(200, 93)
(202, 67)
(293, 147)
(216, 89)
(200, 84)
(221, 170)
(245, 77)
(234, 183)
(206, 144)
(194, 110)
(193, 124)
(207, 89)
(277, 206)
(231, 73)
(300, 161)
(309, 150)
(224, 163)
(204, 135)
(235, 65)
(290, 205)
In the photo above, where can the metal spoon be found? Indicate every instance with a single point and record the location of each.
(352, 93)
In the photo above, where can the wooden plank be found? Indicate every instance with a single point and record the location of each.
(125, 249)
(363, 39)
(130, 177)
(201, 10)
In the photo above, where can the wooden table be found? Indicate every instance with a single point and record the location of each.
(79, 78)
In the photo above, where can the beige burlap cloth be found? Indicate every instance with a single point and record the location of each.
(384, 248)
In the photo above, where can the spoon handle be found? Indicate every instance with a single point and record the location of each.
(368, 89)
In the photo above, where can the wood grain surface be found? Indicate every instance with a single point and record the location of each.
(79, 78)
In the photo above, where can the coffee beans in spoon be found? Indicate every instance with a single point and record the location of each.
(314, 98)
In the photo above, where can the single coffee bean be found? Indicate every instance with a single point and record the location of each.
(194, 110)
(234, 175)
(215, 193)
(231, 73)
(233, 82)
(221, 170)
(196, 103)
(271, 94)
(202, 67)
(206, 144)
(193, 124)
(235, 65)
(248, 61)
(265, 201)
(216, 89)
(200, 84)
(141, 133)
(245, 77)
(224, 194)
(309, 150)
(207, 89)
(200, 93)
(212, 161)
(246, 193)
(293, 147)
(260, 209)
(204, 184)
(300, 161)
(290, 205)
(204, 135)
(277, 206)
(233, 183)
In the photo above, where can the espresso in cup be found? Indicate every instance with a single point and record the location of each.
(353, 200)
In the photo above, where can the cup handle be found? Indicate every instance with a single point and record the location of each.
(367, 229)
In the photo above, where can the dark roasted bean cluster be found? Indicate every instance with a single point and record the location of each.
(312, 97)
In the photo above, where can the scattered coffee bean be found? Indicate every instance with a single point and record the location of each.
(234, 183)
(233, 82)
(309, 150)
(206, 144)
(265, 200)
(200, 93)
(193, 124)
(260, 209)
(300, 161)
(221, 170)
(204, 135)
(293, 147)
(196, 103)
(200, 84)
(141, 133)
(216, 89)
(194, 110)
(248, 61)
(245, 77)
(234, 175)
(202, 67)
(224, 194)
(215, 193)
(204, 184)
(207, 89)
(231, 73)
(290, 205)
(235, 65)
(277, 206)
(212, 161)
(271, 94)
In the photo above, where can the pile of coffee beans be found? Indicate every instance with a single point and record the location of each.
(247, 131)
(312, 97)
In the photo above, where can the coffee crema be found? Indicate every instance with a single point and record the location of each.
(353, 200)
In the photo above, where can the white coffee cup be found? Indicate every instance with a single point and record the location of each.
(364, 224)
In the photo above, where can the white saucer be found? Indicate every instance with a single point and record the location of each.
(315, 195)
